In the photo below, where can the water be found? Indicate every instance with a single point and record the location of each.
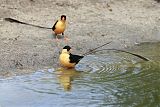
(109, 79)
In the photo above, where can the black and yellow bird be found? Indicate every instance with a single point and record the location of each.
(67, 59)
(60, 26)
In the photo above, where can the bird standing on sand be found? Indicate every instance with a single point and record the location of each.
(60, 26)
(67, 59)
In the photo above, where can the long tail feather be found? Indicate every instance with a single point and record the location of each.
(137, 55)
(92, 50)
(17, 21)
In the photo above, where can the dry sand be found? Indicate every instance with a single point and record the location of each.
(90, 23)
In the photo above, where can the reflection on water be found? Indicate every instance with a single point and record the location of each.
(108, 80)
(66, 76)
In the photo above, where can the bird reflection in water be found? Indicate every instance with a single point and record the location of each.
(66, 76)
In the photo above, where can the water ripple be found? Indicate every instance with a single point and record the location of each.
(106, 80)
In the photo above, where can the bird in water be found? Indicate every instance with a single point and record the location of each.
(59, 27)
(67, 59)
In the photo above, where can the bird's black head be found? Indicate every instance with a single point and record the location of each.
(67, 47)
(63, 17)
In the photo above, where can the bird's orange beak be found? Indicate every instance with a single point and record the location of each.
(70, 50)
(63, 18)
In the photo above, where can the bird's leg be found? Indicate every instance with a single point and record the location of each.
(65, 37)
(56, 39)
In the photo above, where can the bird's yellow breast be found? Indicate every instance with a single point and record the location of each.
(60, 27)
(65, 61)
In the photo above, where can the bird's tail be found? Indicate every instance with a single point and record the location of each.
(92, 50)
(119, 50)
(17, 21)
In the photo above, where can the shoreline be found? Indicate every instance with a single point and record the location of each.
(90, 24)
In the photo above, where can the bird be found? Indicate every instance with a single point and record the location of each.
(67, 59)
(60, 26)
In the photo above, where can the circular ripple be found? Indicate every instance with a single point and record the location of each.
(124, 81)
(107, 80)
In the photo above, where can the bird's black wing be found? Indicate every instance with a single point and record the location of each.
(54, 26)
(75, 58)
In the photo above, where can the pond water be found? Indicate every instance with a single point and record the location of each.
(108, 79)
